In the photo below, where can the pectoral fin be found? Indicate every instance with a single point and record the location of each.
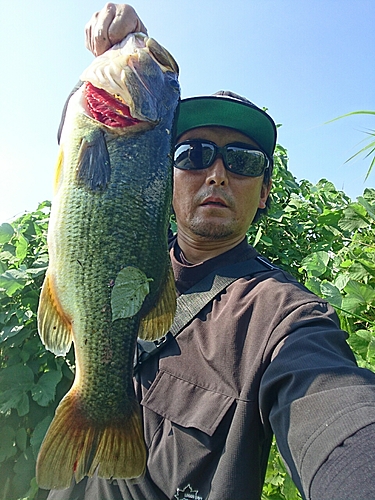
(53, 326)
(160, 318)
(94, 166)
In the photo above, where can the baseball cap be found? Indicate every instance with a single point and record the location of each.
(227, 109)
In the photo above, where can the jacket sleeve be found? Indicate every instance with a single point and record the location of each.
(349, 472)
(312, 392)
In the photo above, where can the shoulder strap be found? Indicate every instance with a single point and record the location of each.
(197, 297)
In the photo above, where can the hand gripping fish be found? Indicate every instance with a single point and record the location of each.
(109, 277)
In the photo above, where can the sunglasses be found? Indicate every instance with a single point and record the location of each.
(239, 158)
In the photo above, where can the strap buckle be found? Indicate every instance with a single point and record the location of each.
(146, 349)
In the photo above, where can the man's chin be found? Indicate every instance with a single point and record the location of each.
(212, 231)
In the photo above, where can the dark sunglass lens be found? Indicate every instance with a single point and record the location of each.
(208, 154)
(181, 156)
(193, 155)
(246, 161)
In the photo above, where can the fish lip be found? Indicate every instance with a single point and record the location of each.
(214, 200)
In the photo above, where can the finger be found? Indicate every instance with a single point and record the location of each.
(98, 30)
(88, 31)
(141, 28)
(125, 21)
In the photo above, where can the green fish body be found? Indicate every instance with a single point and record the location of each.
(109, 277)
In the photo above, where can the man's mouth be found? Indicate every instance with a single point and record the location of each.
(214, 202)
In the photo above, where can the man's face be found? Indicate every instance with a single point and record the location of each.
(214, 204)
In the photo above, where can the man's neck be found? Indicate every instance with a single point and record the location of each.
(198, 250)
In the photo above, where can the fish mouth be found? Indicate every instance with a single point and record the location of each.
(124, 86)
(108, 109)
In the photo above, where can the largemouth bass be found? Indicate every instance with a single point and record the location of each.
(109, 277)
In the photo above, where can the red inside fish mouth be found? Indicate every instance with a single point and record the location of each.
(107, 109)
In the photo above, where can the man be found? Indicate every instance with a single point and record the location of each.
(263, 356)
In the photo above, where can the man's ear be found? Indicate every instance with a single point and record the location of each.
(265, 191)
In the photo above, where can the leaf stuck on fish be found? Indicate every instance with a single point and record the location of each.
(129, 292)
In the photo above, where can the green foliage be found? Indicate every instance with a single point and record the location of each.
(32, 380)
(314, 231)
(278, 484)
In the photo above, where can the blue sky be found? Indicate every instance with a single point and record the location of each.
(306, 61)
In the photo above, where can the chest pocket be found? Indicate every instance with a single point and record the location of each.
(186, 428)
(186, 404)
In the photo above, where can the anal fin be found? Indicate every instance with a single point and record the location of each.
(53, 326)
(160, 318)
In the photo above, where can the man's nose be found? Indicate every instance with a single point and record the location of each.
(217, 173)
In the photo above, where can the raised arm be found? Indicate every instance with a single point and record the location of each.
(110, 25)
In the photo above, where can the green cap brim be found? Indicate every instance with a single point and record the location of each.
(205, 111)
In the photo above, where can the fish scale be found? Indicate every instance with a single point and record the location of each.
(109, 277)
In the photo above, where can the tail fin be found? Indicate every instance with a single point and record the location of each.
(75, 446)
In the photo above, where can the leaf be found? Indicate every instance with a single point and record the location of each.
(363, 342)
(129, 292)
(14, 399)
(369, 209)
(24, 472)
(341, 280)
(6, 233)
(351, 303)
(316, 263)
(289, 489)
(7, 443)
(370, 145)
(346, 263)
(21, 247)
(329, 218)
(15, 381)
(331, 293)
(12, 280)
(368, 265)
(365, 294)
(266, 240)
(364, 334)
(359, 112)
(313, 284)
(359, 345)
(258, 236)
(45, 390)
(39, 433)
(21, 438)
(10, 330)
(357, 272)
(16, 377)
(353, 219)
(369, 195)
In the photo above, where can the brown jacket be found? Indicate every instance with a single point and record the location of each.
(266, 356)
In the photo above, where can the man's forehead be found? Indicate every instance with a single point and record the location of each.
(218, 134)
